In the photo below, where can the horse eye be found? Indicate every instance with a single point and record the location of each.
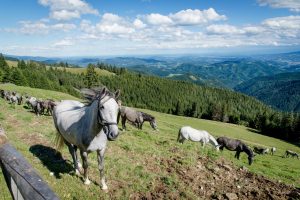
(102, 107)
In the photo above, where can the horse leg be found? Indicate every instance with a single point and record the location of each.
(142, 125)
(100, 156)
(237, 155)
(74, 157)
(84, 157)
(221, 147)
(123, 123)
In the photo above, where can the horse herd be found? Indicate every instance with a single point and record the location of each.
(38, 106)
(88, 127)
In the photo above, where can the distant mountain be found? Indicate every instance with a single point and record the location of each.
(282, 91)
(218, 71)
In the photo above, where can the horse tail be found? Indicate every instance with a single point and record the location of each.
(179, 134)
(59, 140)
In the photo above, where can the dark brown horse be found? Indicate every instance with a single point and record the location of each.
(236, 145)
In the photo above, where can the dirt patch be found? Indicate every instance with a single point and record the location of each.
(219, 179)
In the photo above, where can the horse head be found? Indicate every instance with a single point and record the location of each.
(108, 109)
(153, 123)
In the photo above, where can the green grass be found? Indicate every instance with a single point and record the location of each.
(39, 93)
(12, 63)
(138, 161)
(100, 72)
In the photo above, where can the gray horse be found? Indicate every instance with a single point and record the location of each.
(34, 104)
(47, 106)
(88, 127)
(261, 150)
(289, 153)
(137, 118)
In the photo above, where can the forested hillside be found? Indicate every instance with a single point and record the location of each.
(282, 91)
(168, 96)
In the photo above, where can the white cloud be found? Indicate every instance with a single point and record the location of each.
(139, 24)
(114, 24)
(223, 29)
(289, 22)
(40, 27)
(63, 43)
(68, 9)
(158, 19)
(187, 17)
(64, 15)
(293, 5)
(196, 17)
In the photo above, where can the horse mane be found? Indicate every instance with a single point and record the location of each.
(90, 95)
(147, 116)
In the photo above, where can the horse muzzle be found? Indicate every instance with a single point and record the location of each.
(112, 132)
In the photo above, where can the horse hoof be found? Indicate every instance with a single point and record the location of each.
(87, 182)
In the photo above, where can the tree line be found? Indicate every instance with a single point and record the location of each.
(163, 95)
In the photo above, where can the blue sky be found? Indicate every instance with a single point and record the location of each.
(66, 28)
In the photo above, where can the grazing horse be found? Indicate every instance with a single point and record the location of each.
(3, 93)
(35, 104)
(260, 150)
(149, 118)
(47, 106)
(236, 145)
(88, 127)
(19, 99)
(189, 133)
(291, 153)
(273, 149)
(131, 115)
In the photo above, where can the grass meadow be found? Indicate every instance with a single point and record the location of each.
(137, 161)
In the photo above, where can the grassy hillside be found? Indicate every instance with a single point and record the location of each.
(100, 72)
(282, 91)
(139, 162)
(12, 63)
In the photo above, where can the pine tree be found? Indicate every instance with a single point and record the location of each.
(91, 76)
(18, 77)
(21, 64)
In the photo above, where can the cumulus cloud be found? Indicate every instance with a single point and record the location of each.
(196, 17)
(139, 24)
(158, 19)
(114, 24)
(68, 9)
(289, 22)
(222, 29)
(187, 17)
(293, 5)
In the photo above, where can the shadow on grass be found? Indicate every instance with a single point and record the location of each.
(52, 159)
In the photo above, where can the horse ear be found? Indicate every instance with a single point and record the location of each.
(103, 92)
(117, 94)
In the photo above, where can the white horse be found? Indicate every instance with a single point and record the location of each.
(273, 149)
(189, 133)
(88, 127)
